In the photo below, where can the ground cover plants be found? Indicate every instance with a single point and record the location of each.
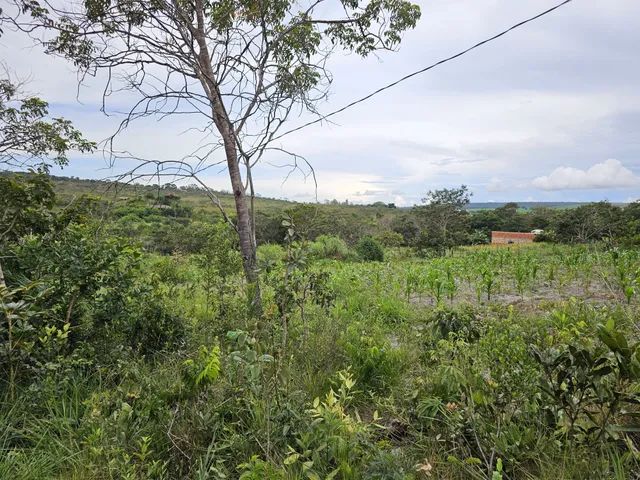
(512, 362)
(369, 360)
(153, 331)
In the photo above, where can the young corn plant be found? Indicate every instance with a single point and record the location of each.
(488, 280)
(629, 292)
(521, 274)
(436, 285)
(627, 272)
(414, 283)
(535, 266)
(587, 276)
(450, 285)
(552, 269)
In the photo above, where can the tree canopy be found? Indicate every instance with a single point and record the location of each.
(444, 218)
(28, 136)
(242, 66)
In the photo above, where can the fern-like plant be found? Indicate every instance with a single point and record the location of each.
(205, 369)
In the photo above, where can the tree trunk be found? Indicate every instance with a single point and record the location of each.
(220, 118)
(2, 282)
(243, 223)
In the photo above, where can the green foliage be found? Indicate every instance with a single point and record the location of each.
(370, 250)
(444, 219)
(591, 388)
(25, 203)
(152, 327)
(18, 335)
(389, 238)
(630, 225)
(406, 226)
(115, 362)
(588, 223)
(462, 322)
(219, 260)
(334, 445)
(258, 469)
(29, 136)
(328, 246)
(375, 364)
(204, 369)
(270, 256)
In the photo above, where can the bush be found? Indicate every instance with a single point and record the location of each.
(479, 237)
(376, 364)
(462, 321)
(329, 246)
(270, 255)
(548, 236)
(154, 328)
(391, 309)
(582, 380)
(389, 238)
(370, 250)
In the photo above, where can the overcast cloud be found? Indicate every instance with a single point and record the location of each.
(606, 175)
(549, 112)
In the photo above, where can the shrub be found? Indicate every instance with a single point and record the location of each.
(462, 321)
(154, 328)
(391, 309)
(270, 255)
(329, 246)
(583, 380)
(479, 237)
(389, 238)
(548, 236)
(370, 250)
(376, 365)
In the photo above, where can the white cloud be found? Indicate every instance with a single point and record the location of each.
(400, 201)
(494, 120)
(496, 185)
(608, 174)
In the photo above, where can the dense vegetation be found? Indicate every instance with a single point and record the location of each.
(162, 217)
(146, 335)
(128, 348)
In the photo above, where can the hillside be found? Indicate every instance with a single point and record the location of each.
(68, 187)
(150, 205)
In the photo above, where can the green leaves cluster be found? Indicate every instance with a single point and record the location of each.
(443, 219)
(591, 388)
(370, 250)
(205, 368)
(28, 136)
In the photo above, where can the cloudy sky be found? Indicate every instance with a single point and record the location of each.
(549, 112)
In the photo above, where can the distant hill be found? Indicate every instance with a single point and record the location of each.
(159, 216)
(157, 209)
(523, 205)
(69, 187)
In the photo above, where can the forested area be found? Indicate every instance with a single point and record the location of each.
(163, 218)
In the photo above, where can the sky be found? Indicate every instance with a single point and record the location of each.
(549, 112)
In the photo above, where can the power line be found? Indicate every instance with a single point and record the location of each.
(422, 70)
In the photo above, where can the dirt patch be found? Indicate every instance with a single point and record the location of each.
(537, 299)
